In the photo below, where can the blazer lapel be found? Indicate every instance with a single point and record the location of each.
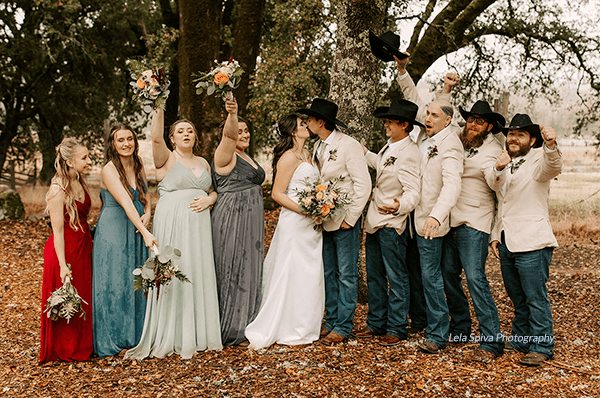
(331, 152)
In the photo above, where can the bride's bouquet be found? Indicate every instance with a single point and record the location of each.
(221, 80)
(150, 85)
(64, 302)
(158, 270)
(320, 201)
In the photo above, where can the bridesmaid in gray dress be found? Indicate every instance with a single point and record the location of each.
(238, 229)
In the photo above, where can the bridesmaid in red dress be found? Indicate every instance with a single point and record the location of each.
(70, 244)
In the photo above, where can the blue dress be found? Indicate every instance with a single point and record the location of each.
(118, 311)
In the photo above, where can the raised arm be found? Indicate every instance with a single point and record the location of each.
(160, 152)
(56, 207)
(112, 182)
(225, 153)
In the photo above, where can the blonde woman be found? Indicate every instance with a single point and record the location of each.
(68, 253)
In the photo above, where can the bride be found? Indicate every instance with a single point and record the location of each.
(293, 286)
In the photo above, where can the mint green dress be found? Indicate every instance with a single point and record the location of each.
(184, 318)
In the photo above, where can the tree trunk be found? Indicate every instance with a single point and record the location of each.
(50, 137)
(199, 28)
(246, 45)
(355, 77)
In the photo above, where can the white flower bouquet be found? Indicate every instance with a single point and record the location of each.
(222, 80)
(158, 270)
(150, 85)
(320, 201)
(64, 302)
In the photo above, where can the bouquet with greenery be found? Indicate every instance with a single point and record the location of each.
(64, 302)
(222, 80)
(321, 201)
(158, 270)
(150, 85)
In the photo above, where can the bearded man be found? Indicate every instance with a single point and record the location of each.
(523, 240)
(466, 245)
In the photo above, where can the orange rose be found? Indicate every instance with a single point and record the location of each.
(321, 188)
(324, 210)
(141, 83)
(221, 78)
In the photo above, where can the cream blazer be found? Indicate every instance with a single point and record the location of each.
(398, 176)
(345, 157)
(476, 204)
(523, 201)
(440, 174)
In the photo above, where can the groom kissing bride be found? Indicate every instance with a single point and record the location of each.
(338, 155)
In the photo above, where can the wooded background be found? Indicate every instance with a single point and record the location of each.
(64, 72)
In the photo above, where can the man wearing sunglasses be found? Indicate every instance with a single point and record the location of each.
(466, 245)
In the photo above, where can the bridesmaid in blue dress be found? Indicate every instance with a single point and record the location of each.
(118, 311)
(184, 318)
(238, 229)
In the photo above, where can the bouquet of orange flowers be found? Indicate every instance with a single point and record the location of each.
(322, 201)
(222, 80)
(150, 85)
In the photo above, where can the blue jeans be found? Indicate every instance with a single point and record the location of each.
(467, 248)
(525, 275)
(416, 311)
(386, 271)
(433, 286)
(340, 259)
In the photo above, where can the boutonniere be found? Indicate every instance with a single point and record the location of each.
(389, 161)
(432, 151)
(515, 166)
(471, 152)
(332, 155)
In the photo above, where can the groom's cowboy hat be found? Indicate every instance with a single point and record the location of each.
(324, 110)
(482, 108)
(386, 46)
(522, 121)
(399, 109)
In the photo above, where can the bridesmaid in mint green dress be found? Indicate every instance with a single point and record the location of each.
(184, 318)
(118, 311)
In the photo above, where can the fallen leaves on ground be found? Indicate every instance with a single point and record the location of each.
(355, 368)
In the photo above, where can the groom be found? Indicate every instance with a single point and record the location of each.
(338, 155)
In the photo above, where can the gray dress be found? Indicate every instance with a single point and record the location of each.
(238, 241)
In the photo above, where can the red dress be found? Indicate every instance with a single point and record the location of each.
(60, 341)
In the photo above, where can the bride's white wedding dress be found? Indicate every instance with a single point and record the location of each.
(293, 286)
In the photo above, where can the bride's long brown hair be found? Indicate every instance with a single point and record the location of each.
(286, 125)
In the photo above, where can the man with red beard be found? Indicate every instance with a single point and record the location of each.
(466, 245)
(523, 240)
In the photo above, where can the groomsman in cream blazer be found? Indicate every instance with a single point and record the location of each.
(395, 195)
(339, 155)
(523, 239)
(441, 171)
(466, 246)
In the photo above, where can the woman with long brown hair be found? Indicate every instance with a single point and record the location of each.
(184, 318)
(68, 254)
(118, 247)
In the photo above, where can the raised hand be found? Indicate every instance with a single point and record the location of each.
(231, 105)
(450, 81)
(502, 160)
(549, 136)
(402, 63)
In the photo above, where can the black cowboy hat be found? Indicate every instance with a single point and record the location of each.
(386, 46)
(399, 109)
(482, 108)
(324, 110)
(522, 121)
